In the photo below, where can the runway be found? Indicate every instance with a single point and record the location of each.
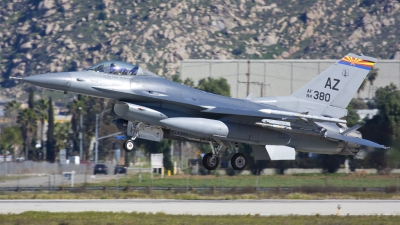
(209, 207)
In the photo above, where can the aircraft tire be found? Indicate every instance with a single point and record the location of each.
(129, 145)
(239, 161)
(210, 162)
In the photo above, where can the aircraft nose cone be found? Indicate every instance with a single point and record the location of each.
(58, 81)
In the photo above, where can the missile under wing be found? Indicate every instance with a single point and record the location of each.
(150, 107)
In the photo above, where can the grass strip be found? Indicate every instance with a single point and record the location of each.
(194, 195)
(297, 180)
(111, 218)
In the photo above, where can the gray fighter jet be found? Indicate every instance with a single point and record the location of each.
(151, 107)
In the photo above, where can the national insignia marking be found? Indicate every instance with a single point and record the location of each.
(345, 73)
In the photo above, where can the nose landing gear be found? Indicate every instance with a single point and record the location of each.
(129, 145)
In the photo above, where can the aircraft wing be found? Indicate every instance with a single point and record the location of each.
(271, 114)
(239, 112)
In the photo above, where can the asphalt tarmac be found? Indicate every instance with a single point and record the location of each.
(209, 207)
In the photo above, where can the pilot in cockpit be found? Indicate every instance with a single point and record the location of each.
(114, 68)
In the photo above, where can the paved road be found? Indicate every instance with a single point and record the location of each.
(209, 207)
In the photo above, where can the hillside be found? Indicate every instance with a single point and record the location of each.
(38, 36)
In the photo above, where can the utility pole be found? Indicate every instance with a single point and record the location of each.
(262, 89)
(262, 85)
(97, 136)
(248, 77)
(96, 146)
(80, 134)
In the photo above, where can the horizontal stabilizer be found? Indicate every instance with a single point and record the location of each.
(351, 129)
(280, 152)
(355, 140)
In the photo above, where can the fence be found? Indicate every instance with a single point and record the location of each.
(225, 190)
(30, 167)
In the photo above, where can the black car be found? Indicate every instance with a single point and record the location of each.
(100, 168)
(120, 169)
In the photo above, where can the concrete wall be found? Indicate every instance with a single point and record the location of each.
(280, 77)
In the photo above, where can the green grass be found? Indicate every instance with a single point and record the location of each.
(194, 195)
(110, 218)
(299, 180)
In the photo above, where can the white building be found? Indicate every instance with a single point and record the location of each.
(278, 77)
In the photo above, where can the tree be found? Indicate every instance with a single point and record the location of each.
(88, 107)
(383, 128)
(176, 78)
(10, 139)
(357, 103)
(152, 147)
(61, 134)
(217, 86)
(27, 121)
(352, 116)
(189, 82)
(51, 141)
(371, 78)
(31, 99)
(75, 108)
(41, 108)
(31, 105)
(330, 163)
(12, 109)
(93, 106)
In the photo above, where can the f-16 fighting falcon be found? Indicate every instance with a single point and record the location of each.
(151, 107)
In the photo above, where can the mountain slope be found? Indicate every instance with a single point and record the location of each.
(58, 35)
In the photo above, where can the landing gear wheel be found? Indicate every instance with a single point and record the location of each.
(129, 145)
(210, 161)
(239, 161)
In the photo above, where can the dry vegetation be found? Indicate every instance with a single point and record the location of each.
(110, 218)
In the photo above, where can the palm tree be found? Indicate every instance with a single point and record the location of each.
(41, 108)
(75, 108)
(61, 134)
(27, 121)
(11, 110)
(362, 87)
(371, 78)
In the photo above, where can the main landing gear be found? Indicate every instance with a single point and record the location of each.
(211, 161)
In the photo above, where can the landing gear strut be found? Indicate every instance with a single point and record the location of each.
(210, 160)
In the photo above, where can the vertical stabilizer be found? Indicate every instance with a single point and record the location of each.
(337, 85)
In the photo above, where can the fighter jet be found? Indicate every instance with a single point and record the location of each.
(150, 107)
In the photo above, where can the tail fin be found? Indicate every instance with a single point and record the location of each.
(337, 85)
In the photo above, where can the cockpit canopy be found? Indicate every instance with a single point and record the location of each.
(119, 68)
